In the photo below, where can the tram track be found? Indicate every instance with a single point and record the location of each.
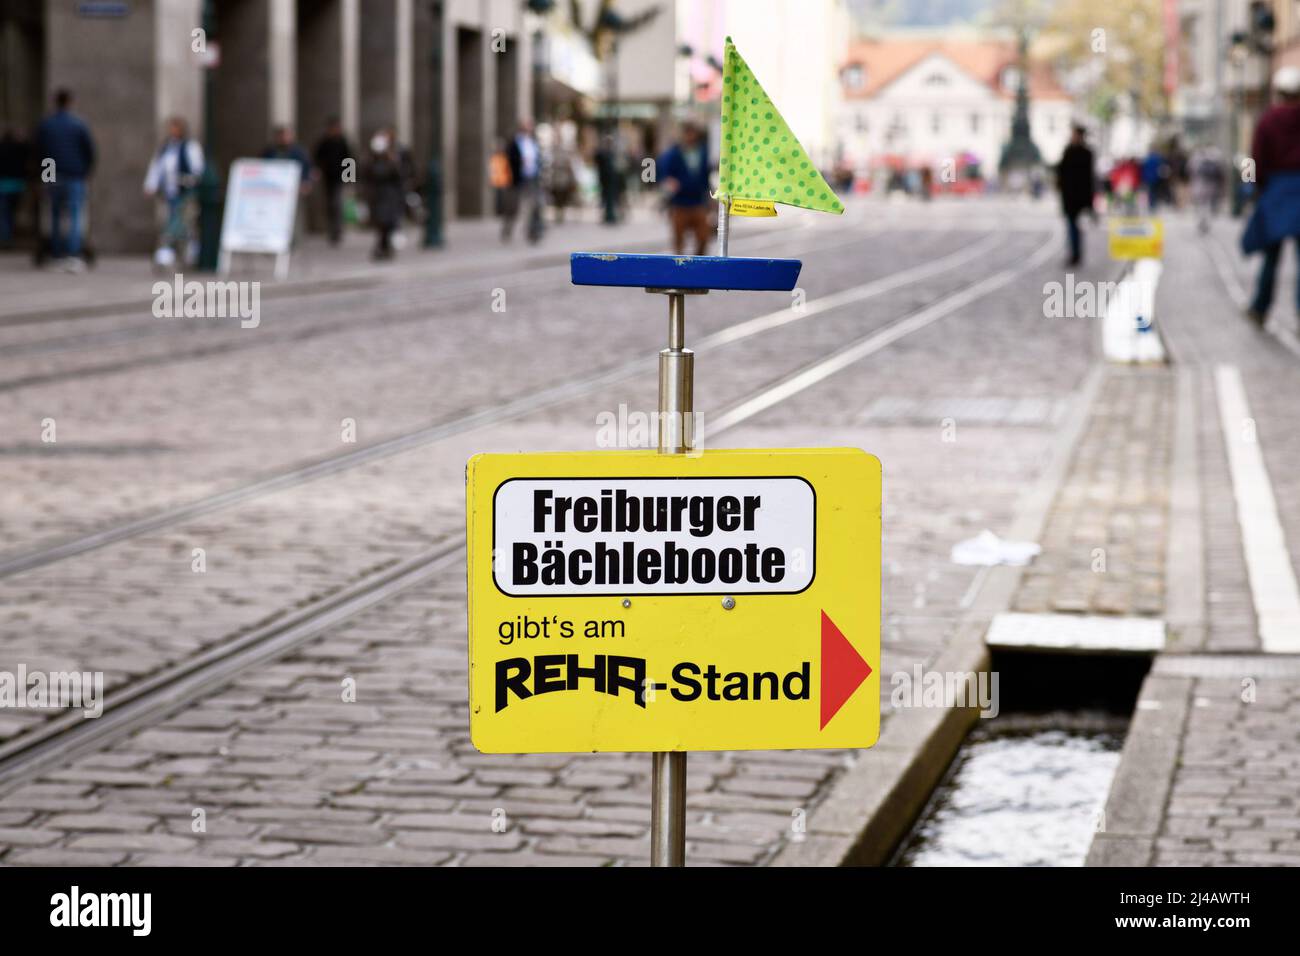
(410, 307)
(412, 301)
(411, 298)
(172, 687)
(47, 554)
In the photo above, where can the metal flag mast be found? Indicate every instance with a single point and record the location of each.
(676, 277)
(676, 437)
(724, 224)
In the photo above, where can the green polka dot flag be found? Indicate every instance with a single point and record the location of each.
(760, 158)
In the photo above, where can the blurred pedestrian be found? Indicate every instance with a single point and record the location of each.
(63, 140)
(502, 182)
(14, 157)
(1276, 151)
(842, 174)
(285, 146)
(173, 173)
(1125, 177)
(609, 175)
(1077, 184)
(1155, 178)
(1179, 173)
(684, 172)
(524, 156)
(331, 154)
(1208, 179)
(562, 179)
(387, 178)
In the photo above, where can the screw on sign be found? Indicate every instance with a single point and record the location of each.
(676, 600)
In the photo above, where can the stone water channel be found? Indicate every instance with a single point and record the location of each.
(1028, 787)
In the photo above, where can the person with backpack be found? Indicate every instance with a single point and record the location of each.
(172, 175)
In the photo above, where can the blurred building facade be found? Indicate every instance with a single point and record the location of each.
(918, 99)
(1286, 33)
(793, 49)
(1226, 57)
(1197, 102)
(626, 84)
(452, 77)
(132, 64)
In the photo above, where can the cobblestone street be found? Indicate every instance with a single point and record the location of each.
(530, 449)
(285, 771)
(213, 487)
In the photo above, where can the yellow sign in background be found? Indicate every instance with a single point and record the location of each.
(785, 654)
(1136, 237)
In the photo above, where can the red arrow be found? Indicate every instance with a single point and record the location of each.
(843, 670)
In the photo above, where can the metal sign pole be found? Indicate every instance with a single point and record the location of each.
(724, 225)
(676, 437)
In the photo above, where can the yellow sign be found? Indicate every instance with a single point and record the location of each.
(1136, 237)
(753, 207)
(631, 601)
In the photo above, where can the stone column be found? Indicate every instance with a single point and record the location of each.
(242, 99)
(282, 27)
(470, 119)
(378, 65)
(403, 62)
(109, 65)
(320, 66)
(350, 83)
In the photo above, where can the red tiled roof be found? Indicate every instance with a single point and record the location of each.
(885, 59)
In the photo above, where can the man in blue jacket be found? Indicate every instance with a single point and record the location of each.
(65, 154)
(684, 172)
(1276, 152)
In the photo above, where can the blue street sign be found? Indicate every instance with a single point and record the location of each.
(684, 272)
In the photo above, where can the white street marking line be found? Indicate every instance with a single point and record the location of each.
(873, 343)
(1268, 564)
(835, 300)
(1236, 291)
(973, 589)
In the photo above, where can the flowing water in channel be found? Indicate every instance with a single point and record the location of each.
(1025, 790)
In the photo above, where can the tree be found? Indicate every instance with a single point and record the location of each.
(608, 25)
(1125, 40)
(604, 32)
